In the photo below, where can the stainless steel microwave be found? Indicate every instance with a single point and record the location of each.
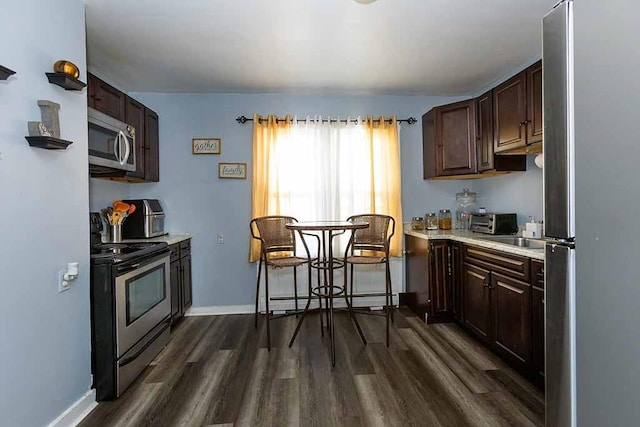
(111, 143)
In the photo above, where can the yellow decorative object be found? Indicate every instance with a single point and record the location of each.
(67, 67)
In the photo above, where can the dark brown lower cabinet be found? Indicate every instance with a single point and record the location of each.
(439, 303)
(495, 296)
(456, 280)
(512, 318)
(428, 279)
(537, 320)
(175, 290)
(503, 306)
(180, 277)
(477, 301)
(185, 270)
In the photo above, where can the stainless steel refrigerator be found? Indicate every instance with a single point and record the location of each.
(559, 216)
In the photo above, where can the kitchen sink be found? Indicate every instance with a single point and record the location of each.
(517, 241)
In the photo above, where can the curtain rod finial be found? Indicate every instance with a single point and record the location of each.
(242, 119)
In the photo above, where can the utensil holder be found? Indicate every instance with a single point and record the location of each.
(116, 233)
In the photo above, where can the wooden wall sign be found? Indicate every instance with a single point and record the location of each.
(206, 146)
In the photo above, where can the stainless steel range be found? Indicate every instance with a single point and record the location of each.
(130, 309)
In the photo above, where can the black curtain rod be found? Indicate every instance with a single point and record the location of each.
(410, 120)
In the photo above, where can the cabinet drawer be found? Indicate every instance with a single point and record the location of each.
(508, 264)
(537, 273)
(185, 247)
(175, 252)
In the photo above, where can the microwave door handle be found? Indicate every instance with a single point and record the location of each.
(127, 148)
(116, 146)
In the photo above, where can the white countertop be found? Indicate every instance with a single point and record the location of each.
(475, 239)
(170, 238)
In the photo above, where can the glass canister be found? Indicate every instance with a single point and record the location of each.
(465, 206)
(431, 221)
(444, 219)
(417, 223)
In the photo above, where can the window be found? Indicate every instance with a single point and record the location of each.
(315, 170)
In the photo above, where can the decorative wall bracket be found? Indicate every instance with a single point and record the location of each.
(65, 81)
(5, 73)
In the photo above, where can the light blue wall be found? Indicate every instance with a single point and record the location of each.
(103, 192)
(45, 335)
(519, 192)
(197, 201)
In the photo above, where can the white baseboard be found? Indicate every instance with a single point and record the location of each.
(217, 310)
(72, 416)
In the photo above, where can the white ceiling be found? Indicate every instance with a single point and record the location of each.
(426, 47)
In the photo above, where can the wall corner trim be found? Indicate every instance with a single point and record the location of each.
(217, 310)
(75, 413)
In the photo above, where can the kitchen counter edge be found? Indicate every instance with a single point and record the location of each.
(473, 239)
(171, 238)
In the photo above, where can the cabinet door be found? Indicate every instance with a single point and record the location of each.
(537, 330)
(417, 274)
(456, 138)
(135, 115)
(534, 103)
(485, 132)
(510, 114)
(512, 317)
(429, 144)
(175, 277)
(476, 296)
(152, 153)
(185, 266)
(456, 279)
(439, 283)
(537, 319)
(106, 98)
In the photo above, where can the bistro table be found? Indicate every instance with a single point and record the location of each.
(327, 263)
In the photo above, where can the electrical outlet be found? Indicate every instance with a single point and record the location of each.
(220, 239)
(63, 285)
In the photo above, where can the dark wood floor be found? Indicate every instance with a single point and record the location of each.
(217, 371)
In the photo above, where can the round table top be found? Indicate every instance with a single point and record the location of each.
(327, 225)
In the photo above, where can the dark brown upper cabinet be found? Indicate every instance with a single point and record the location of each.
(135, 116)
(534, 105)
(104, 97)
(457, 142)
(485, 131)
(151, 147)
(118, 105)
(449, 140)
(517, 112)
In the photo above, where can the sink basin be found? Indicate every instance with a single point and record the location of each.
(523, 242)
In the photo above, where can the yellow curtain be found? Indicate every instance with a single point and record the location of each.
(385, 174)
(265, 137)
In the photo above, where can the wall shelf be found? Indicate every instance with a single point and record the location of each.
(65, 81)
(5, 73)
(48, 142)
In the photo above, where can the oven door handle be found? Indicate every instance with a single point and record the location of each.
(122, 269)
(127, 360)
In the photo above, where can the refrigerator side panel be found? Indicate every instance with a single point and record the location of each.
(560, 336)
(559, 184)
(607, 93)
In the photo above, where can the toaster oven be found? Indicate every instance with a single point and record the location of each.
(494, 223)
(146, 221)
